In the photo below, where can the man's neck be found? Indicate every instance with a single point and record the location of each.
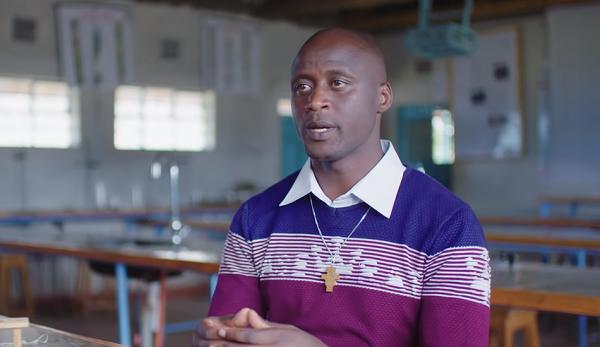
(337, 177)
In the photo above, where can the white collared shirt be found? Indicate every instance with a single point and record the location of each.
(377, 188)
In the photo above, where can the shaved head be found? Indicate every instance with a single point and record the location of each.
(362, 42)
(339, 93)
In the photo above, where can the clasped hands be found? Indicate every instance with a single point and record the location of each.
(248, 328)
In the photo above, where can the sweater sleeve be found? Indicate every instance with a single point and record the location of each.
(238, 285)
(455, 306)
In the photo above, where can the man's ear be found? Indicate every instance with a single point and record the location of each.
(386, 97)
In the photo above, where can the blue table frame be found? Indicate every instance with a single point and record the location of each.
(190, 260)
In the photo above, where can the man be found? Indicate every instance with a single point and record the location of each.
(355, 249)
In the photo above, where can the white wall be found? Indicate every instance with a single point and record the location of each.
(511, 186)
(247, 126)
(574, 157)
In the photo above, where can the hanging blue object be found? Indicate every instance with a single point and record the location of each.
(441, 40)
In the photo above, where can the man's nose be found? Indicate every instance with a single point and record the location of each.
(319, 99)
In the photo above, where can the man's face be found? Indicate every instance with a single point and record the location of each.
(335, 98)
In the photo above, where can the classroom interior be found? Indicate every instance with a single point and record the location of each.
(131, 131)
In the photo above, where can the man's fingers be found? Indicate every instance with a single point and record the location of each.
(214, 322)
(250, 336)
(240, 319)
(241, 335)
(256, 321)
(209, 328)
(226, 344)
(211, 334)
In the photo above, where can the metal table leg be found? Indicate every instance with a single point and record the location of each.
(123, 304)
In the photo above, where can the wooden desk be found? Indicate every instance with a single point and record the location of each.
(197, 254)
(61, 216)
(533, 237)
(581, 239)
(540, 222)
(54, 338)
(222, 227)
(153, 257)
(547, 288)
(546, 203)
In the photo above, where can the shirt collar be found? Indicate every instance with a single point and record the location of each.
(377, 189)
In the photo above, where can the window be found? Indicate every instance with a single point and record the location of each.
(36, 113)
(442, 131)
(164, 119)
(284, 107)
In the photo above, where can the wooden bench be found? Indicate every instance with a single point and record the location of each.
(506, 322)
(8, 264)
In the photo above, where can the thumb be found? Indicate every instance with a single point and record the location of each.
(256, 321)
(240, 319)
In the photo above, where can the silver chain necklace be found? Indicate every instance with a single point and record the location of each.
(331, 275)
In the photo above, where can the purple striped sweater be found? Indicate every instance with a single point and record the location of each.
(419, 278)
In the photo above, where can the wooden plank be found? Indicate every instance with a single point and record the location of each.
(17, 338)
(165, 259)
(542, 241)
(14, 323)
(70, 337)
(563, 289)
(585, 200)
(56, 337)
(544, 301)
(201, 225)
(542, 222)
(121, 213)
(298, 8)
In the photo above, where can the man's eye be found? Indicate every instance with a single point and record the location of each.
(338, 83)
(302, 88)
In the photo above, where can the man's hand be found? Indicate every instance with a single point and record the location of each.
(262, 332)
(207, 331)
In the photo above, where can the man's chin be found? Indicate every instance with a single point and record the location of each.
(322, 151)
(321, 155)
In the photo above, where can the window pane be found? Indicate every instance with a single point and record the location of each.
(51, 132)
(50, 88)
(15, 103)
(50, 103)
(284, 107)
(128, 108)
(15, 85)
(36, 114)
(163, 119)
(442, 127)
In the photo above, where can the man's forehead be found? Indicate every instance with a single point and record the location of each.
(338, 36)
(338, 55)
(338, 48)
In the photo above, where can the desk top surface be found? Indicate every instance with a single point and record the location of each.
(100, 214)
(197, 253)
(547, 287)
(558, 223)
(543, 236)
(37, 335)
(565, 199)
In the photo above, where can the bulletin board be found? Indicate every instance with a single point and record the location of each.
(96, 44)
(230, 56)
(486, 98)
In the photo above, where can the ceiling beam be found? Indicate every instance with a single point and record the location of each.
(482, 10)
(227, 6)
(281, 8)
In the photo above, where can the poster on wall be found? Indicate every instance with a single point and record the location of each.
(230, 56)
(486, 99)
(96, 48)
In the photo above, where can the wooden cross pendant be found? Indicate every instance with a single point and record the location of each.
(330, 277)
